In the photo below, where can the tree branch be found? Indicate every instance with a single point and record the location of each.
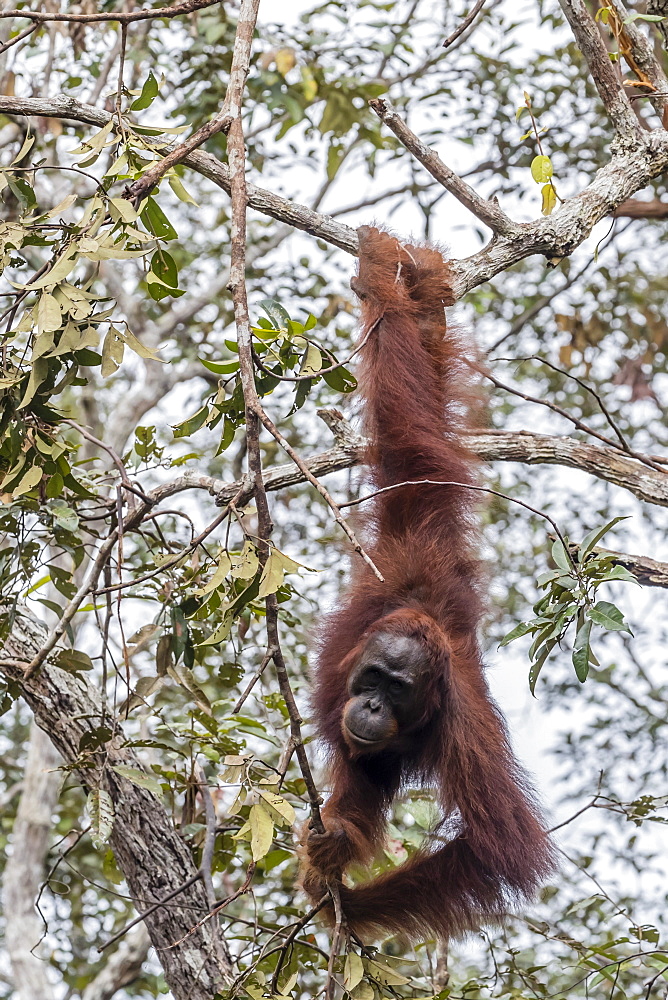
(635, 208)
(606, 78)
(185, 7)
(639, 56)
(487, 211)
(554, 236)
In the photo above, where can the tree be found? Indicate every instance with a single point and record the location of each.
(169, 329)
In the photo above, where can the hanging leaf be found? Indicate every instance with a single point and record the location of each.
(149, 92)
(549, 199)
(541, 169)
(353, 971)
(101, 811)
(609, 617)
(581, 651)
(262, 831)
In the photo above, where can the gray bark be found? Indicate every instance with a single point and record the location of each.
(24, 871)
(149, 852)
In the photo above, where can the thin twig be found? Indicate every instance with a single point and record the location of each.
(146, 913)
(329, 500)
(267, 658)
(299, 926)
(468, 20)
(551, 406)
(173, 560)
(488, 212)
(19, 37)
(465, 486)
(337, 937)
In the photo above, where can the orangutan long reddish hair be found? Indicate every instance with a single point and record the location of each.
(400, 695)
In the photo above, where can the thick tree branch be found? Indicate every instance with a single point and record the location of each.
(634, 208)
(185, 7)
(151, 855)
(639, 55)
(607, 80)
(555, 236)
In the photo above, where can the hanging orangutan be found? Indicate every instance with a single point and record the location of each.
(400, 694)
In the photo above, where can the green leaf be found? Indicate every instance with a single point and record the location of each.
(560, 555)
(608, 616)
(276, 313)
(101, 811)
(55, 275)
(581, 650)
(594, 536)
(522, 629)
(164, 267)
(136, 345)
(312, 361)
(537, 665)
(139, 778)
(49, 316)
(245, 565)
(176, 184)
(218, 578)
(73, 661)
(149, 92)
(222, 367)
(112, 352)
(541, 169)
(619, 573)
(157, 222)
(643, 17)
(192, 424)
(120, 208)
(279, 809)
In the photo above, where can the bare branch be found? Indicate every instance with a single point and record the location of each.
(608, 464)
(466, 23)
(487, 211)
(18, 38)
(185, 7)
